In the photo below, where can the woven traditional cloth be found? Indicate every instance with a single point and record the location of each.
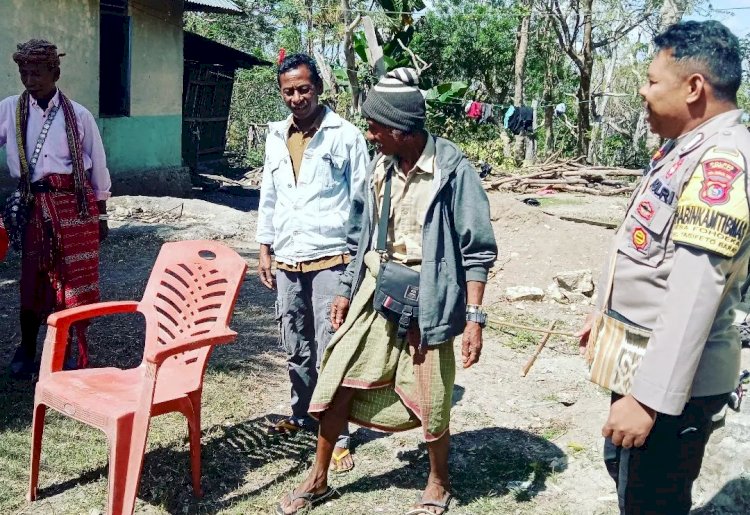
(60, 258)
(393, 391)
(614, 352)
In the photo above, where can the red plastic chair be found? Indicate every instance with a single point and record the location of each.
(187, 305)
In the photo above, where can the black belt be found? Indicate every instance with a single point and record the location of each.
(40, 187)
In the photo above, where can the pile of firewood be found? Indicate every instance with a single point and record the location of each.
(570, 175)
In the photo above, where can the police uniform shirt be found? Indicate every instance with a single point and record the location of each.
(682, 255)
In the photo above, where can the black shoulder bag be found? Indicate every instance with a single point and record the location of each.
(397, 289)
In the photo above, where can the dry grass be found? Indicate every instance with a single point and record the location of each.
(244, 469)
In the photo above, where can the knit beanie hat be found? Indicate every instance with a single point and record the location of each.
(396, 101)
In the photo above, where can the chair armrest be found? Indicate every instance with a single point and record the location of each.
(59, 324)
(71, 315)
(158, 357)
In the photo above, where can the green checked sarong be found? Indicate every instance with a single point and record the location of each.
(393, 392)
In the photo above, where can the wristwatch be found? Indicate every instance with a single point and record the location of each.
(475, 313)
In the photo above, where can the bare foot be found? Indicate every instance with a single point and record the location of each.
(437, 493)
(342, 460)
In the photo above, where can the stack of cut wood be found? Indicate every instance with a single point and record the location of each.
(570, 175)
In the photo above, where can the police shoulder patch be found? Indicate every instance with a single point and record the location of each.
(712, 212)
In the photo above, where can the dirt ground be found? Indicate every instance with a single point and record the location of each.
(521, 445)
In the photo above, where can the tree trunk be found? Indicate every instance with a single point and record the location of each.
(374, 50)
(309, 34)
(586, 103)
(349, 57)
(600, 131)
(522, 47)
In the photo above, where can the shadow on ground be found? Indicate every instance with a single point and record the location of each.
(127, 258)
(488, 462)
(733, 498)
(228, 455)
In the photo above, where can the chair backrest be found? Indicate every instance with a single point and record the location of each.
(190, 296)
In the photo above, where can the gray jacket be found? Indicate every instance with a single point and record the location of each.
(458, 244)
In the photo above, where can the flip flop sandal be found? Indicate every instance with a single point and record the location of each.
(336, 462)
(442, 504)
(310, 500)
(284, 426)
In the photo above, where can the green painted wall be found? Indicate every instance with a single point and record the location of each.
(152, 136)
(142, 142)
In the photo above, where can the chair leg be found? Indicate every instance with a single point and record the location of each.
(119, 467)
(37, 431)
(194, 428)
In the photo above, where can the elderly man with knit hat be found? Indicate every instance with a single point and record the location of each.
(55, 151)
(438, 224)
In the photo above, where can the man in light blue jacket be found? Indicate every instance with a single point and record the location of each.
(314, 162)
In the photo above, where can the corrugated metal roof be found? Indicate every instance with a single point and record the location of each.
(220, 6)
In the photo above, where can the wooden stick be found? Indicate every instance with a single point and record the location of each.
(493, 321)
(538, 350)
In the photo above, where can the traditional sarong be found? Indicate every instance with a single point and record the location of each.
(396, 388)
(60, 256)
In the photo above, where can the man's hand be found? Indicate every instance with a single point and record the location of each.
(339, 309)
(103, 230)
(101, 206)
(584, 332)
(267, 277)
(471, 348)
(629, 422)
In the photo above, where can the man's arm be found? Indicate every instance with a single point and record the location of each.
(265, 232)
(471, 346)
(359, 190)
(101, 181)
(94, 148)
(471, 219)
(665, 376)
(694, 291)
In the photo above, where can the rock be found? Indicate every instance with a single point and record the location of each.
(575, 297)
(517, 293)
(555, 293)
(579, 281)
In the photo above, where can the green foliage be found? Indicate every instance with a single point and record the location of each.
(468, 42)
(255, 100)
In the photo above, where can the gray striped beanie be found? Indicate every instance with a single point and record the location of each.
(396, 101)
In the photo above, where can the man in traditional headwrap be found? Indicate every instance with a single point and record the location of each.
(439, 224)
(55, 150)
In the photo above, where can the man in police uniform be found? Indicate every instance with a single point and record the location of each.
(681, 256)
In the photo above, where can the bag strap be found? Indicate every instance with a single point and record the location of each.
(22, 121)
(385, 211)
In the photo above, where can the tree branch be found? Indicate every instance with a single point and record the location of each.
(419, 64)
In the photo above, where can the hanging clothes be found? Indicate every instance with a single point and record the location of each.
(475, 111)
(527, 119)
(507, 117)
(521, 120)
(486, 113)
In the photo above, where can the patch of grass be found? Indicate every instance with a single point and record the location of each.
(517, 339)
(553, 430)
(576, 447)
(560, 201)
